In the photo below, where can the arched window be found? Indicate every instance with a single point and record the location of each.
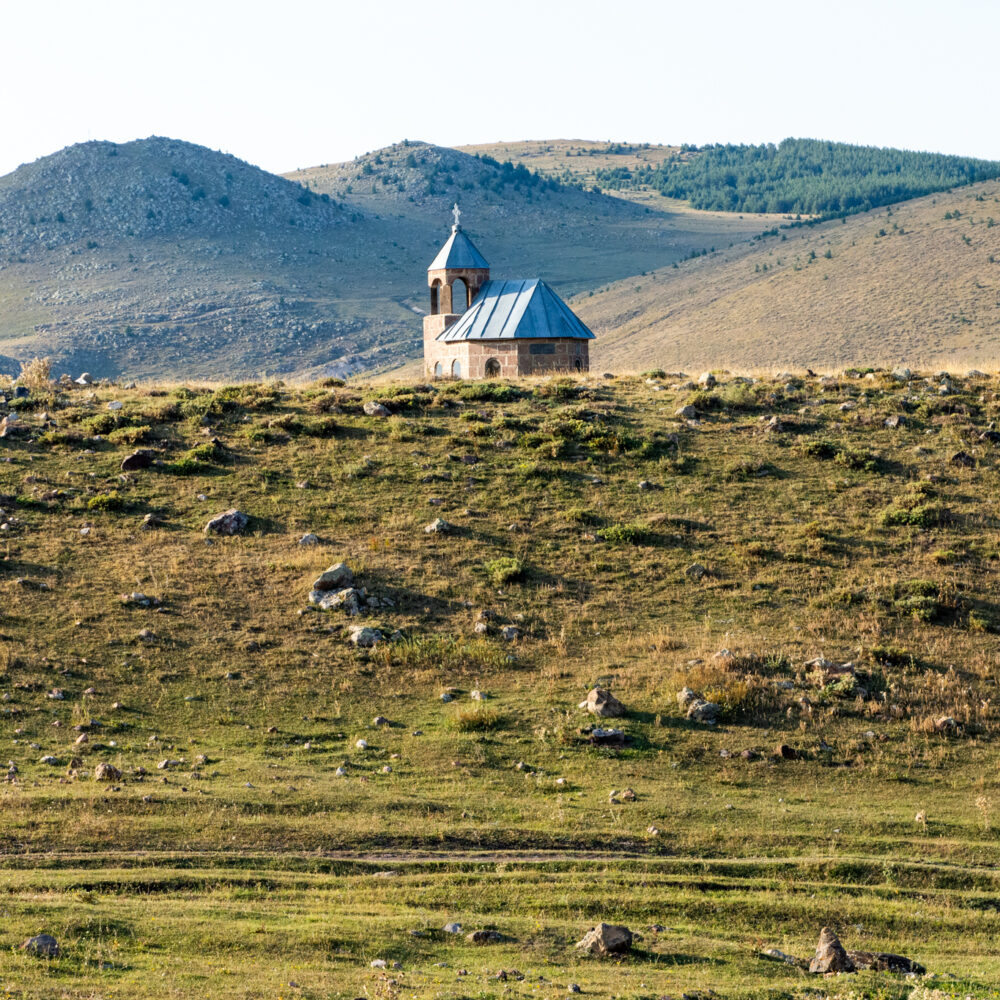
(492, 368)
(435, 299)
(456, 368)
(438, 370)
(579, 365)
(459, 296)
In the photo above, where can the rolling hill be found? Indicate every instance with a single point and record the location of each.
(915, 283)
(159, 258)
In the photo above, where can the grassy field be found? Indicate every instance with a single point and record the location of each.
(913, 284)
(248, 863)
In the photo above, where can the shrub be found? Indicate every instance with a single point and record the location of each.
(623, 534)
(748, 468)
(102, 423)
(857, 458)
(110, 501)
(560, 389)
(36, 374)
(479, 719)
(504, 570)
(129, 435)
(486, 392)
(820, 448)
(926, 515)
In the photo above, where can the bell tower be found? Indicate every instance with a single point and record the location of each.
(455, 277)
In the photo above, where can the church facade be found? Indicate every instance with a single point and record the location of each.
(480, 327)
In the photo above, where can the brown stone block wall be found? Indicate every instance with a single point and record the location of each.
(513, 356)
(563, 359)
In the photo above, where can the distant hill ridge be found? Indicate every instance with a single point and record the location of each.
(161, 258)
(149, 187)
(800, 176)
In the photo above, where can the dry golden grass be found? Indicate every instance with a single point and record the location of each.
(924, 293)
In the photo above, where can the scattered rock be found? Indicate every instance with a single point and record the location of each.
(707, 380)
(230, 522)
(687, 412)
(695, 572)
(780, 956)
(309, 539)
(964, 459)
(484, 937)
(437, 527)
(606, 939)
(830, 955)
(604, 704)
(607, 737)
(348, 599)
(895, 420)
(902, 374)
(373, 409)
(336, 577)
(452, 928)
(364, 637)
(510, 633)
(141, 458)
(42, 946)
(881, 961)
(702, 711)
(785, 752)
(107, 772)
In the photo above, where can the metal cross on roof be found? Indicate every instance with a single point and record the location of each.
(456, 211)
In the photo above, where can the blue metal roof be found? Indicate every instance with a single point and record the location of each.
(459, 251)
(508, 310)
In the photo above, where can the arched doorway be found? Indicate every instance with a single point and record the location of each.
(438, 370)
(492, 368)
(459, 296)
(456, 368)
(579, 365)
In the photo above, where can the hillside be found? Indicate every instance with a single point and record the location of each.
(799, 176)
(161, 258)
(914, 284)
(793, 594)
(582, 161)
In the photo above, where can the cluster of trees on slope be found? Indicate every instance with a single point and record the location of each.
(802, 176)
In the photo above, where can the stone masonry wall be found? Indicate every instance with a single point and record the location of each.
(514, 357)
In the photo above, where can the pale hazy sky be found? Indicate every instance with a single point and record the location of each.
(294, 84)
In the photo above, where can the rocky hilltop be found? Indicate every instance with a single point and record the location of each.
(150, 187)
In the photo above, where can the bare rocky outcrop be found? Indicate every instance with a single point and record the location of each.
(230, 522)
(604, 704)
(606, 939)
(41, 946)
(830, 954)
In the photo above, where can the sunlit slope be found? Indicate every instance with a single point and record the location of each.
(915, 283)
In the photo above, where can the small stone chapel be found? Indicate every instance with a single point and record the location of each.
(480, 327)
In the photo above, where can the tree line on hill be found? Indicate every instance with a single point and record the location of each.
(801, 177)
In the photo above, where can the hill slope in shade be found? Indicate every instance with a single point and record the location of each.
(162, 258)
(915, 283)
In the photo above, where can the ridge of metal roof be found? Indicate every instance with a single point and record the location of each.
(458, 251)
(518, 309)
